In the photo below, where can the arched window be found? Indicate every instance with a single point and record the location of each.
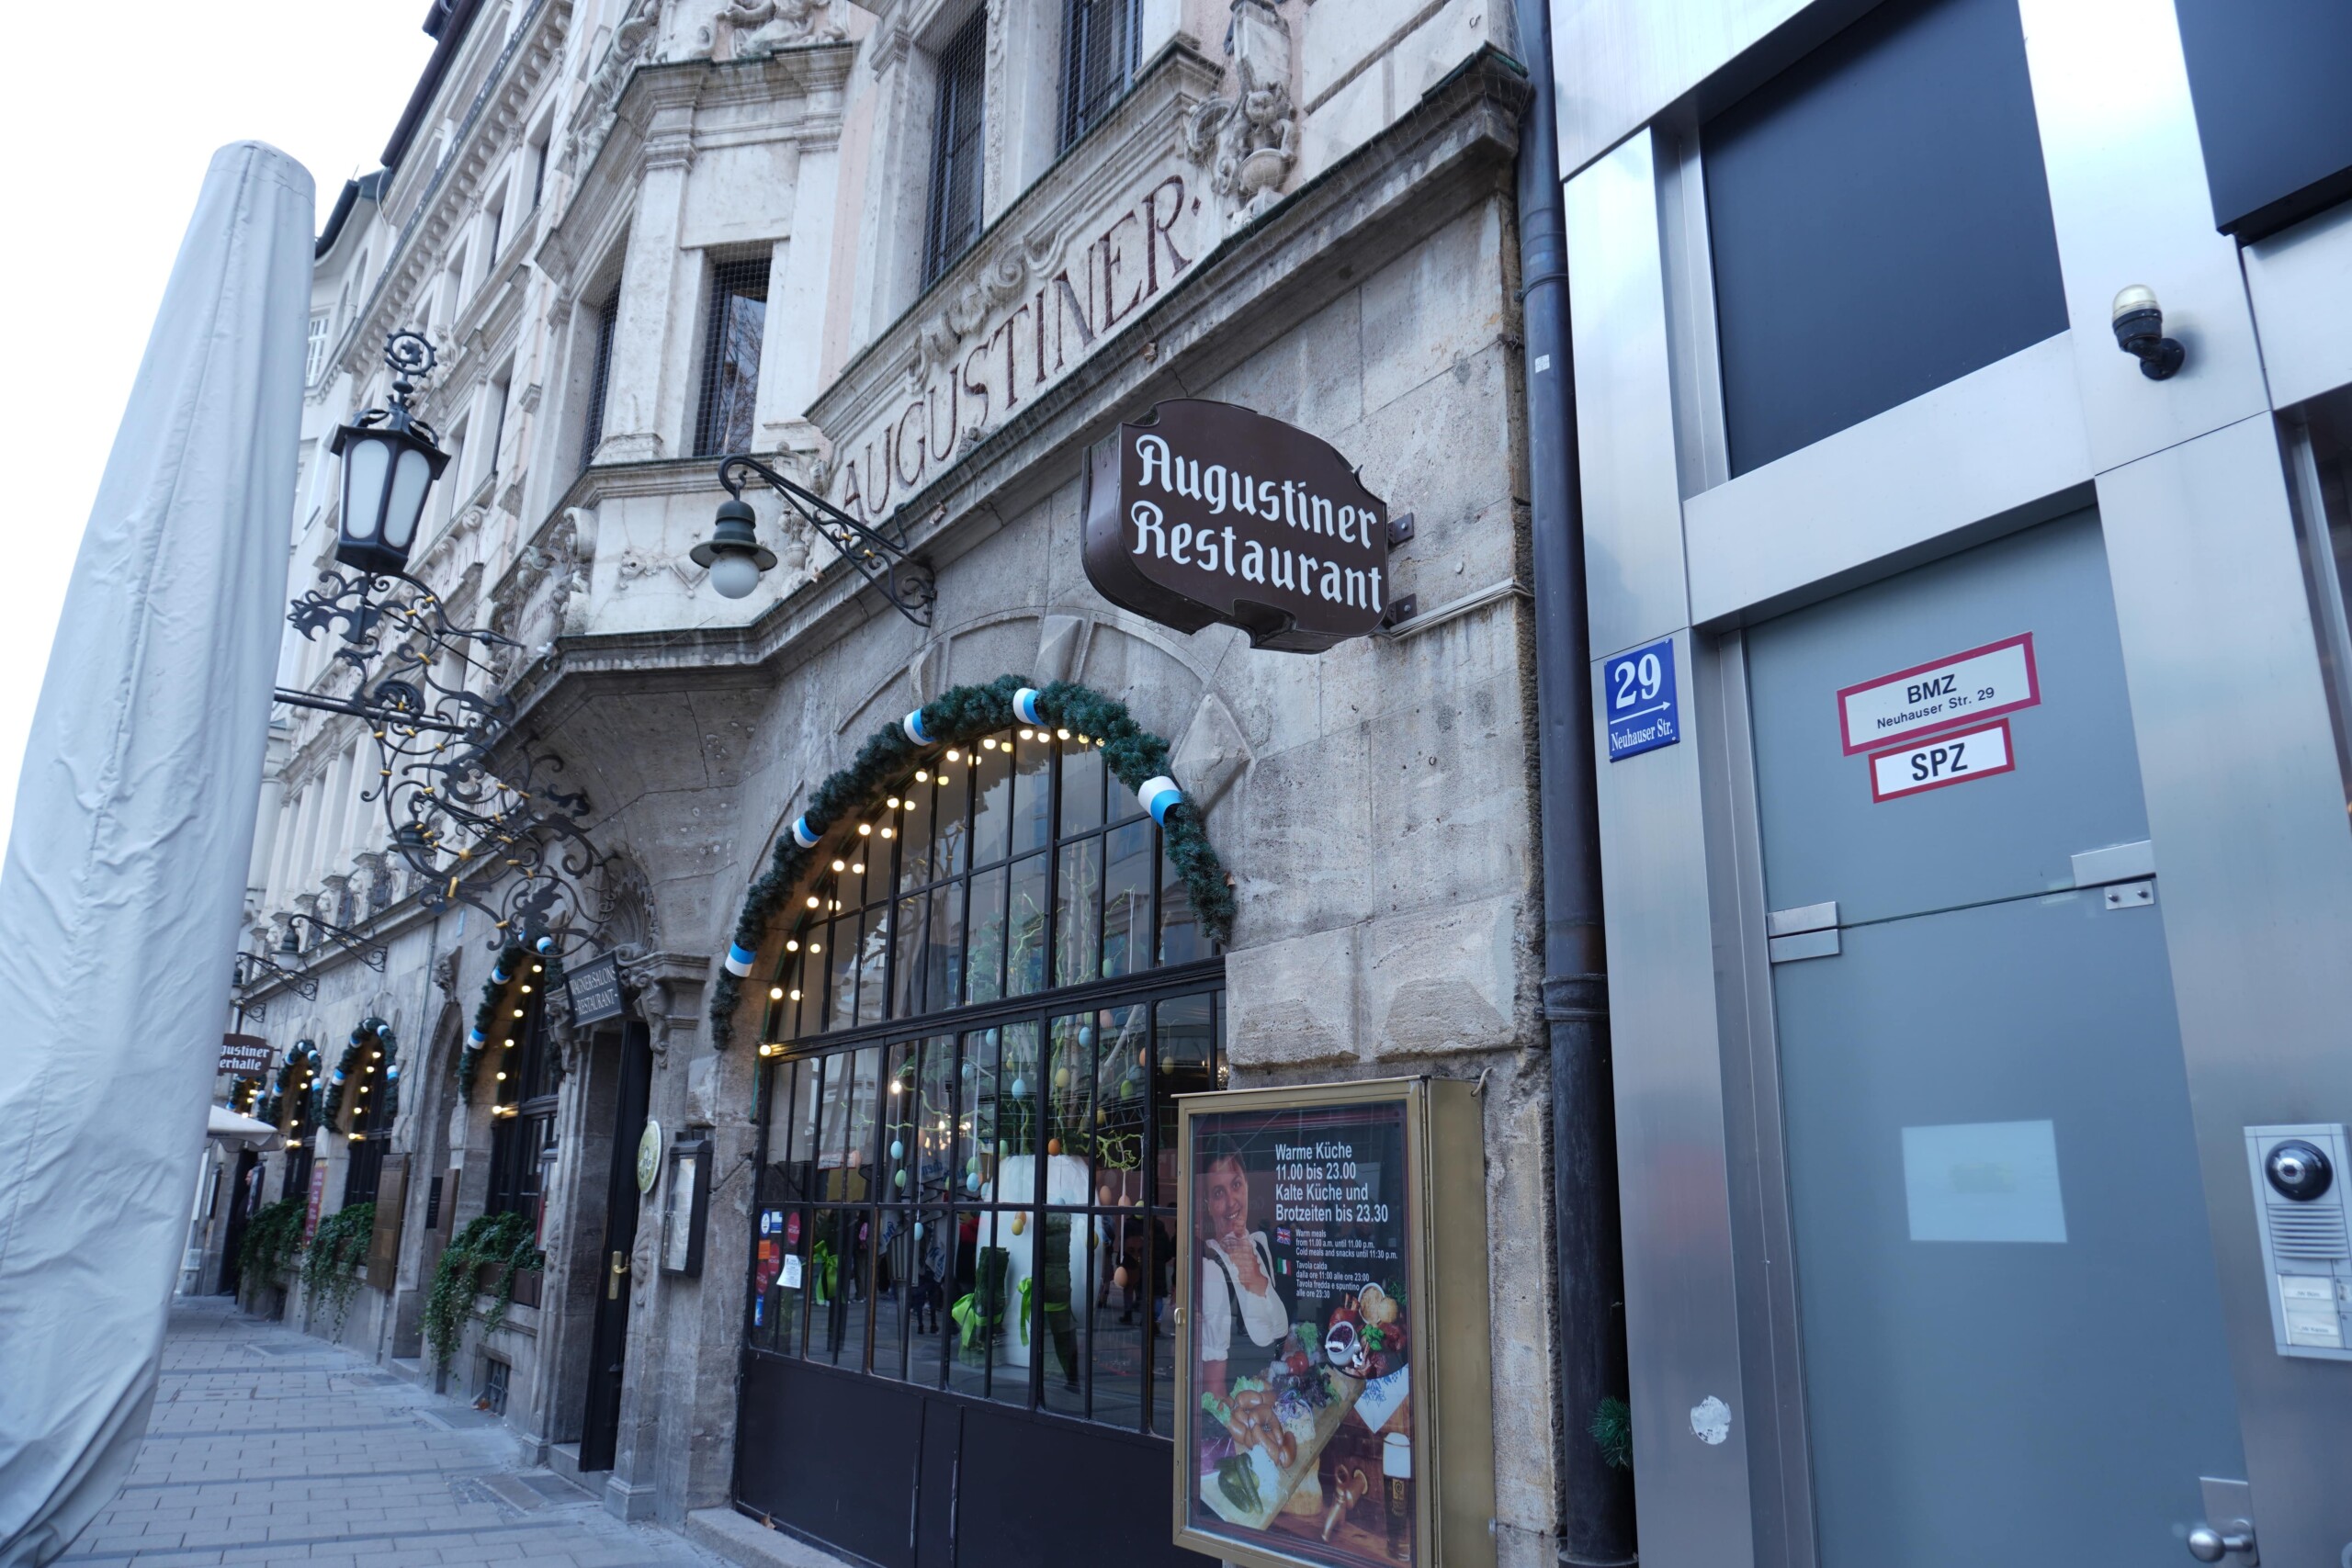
(521, 1062)
(366, 1084)
(294, 1109)
(990, 992)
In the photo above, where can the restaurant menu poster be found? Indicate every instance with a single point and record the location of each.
(1303, 1323)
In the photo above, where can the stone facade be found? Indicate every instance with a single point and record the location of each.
(1302, 207)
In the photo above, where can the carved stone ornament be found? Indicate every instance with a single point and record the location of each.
(632, 44)
(445, 974)
(762, 27)
(998, 283)
(1248, 141)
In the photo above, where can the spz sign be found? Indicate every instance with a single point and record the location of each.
(1204, 513)
(1948, 758)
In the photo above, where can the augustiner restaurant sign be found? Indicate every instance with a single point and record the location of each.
(1205, 513)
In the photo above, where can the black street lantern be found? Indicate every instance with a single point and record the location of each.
(390, 461)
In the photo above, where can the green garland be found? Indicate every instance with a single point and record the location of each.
(273, 1241)
(959, 717)
(274, 1107)
(372, 1035)
(489, 1241)
(331, 1263)
(1613, 1430)
(487, 1015)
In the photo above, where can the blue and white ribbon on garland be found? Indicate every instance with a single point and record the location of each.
(912, 725)
(1025, 702)
(802, 834)
(475, 1038)
(1157, 795)
(739, 960)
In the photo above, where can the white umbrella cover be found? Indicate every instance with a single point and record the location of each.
(126, 867)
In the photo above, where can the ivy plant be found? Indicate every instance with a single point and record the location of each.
(330, 1264)
(502, 1242)
(273, 1241)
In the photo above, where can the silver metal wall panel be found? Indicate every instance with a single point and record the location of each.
(2127, 194)
(2004, 438)
(1681, 1317)
(1632, 503)
(2246, 810)
(2300, 279)
(1651, 53)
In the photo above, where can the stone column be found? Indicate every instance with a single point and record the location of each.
(645, 401)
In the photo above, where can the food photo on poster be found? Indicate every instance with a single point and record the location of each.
(1301, 1338)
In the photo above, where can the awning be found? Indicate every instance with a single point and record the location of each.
(241, 1132)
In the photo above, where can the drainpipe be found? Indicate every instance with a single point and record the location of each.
(1597, 1523)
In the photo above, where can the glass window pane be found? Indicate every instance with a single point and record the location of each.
(864, 1110)
(976, 1296)
(842, 1261)
(1070, 1109)
(1118, 1312)
(942, 961)
(841, 963)
(1180, 934)
(874, 966)
(914, 837)
(991, 771)
(907, 964)
(1063, 1287)
(1122, 1102)
(1033, 798)
(1082, 788)
(934, 1133)
(1185, 1046)
(1161, 1334)
(984, 944)
(780, 1279)
(951, 835)
(1123, 805)
(1126, 900)
(1016, 1109)
(930, 1331)
(808, 981)
(894, 1291)
(796, 1135)
(1077, 900)
(901, 1122)
(1026, 929)
(1009, 1234)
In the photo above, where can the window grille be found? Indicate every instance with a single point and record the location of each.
(591, 429)
(1100, 39)
(730, 357)
(521, 1065)
(968, 1172)
(495, 1377)
(957, 148)
(315, 363)
(540, 166)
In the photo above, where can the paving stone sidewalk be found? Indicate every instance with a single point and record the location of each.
(271, 1447)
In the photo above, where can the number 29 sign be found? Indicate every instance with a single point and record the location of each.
(1642, 710)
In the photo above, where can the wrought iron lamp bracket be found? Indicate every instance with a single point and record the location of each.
(881, 561)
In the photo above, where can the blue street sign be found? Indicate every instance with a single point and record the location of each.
(1639, 690)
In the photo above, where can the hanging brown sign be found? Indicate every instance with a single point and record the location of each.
(1204, 513)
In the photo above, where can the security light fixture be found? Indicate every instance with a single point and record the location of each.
(2138, 324)
(389, 460)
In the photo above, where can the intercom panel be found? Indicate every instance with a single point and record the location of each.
(2299, 1198)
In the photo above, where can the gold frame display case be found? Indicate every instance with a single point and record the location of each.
(1364, 1205)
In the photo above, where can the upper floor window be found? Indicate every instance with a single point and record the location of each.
(730, 357)
(1100, 42)
(315, 362)
(591, 427)
(957, 148)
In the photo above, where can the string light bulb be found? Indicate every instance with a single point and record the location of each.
(864, 829)
(775, 993)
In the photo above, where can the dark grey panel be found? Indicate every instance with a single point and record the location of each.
(1880, 224)
(2076, 781)
(2274, 110)
(1984, 1401)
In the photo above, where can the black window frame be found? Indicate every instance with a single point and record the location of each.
(524, 1073)
(592, 428)
(1096, 74)
(730, 357)
(956, 212)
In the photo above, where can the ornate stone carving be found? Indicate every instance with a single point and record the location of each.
(762, 27)
(1248, 140)
(444, 974)
(669, 987)
(371, 882)
(998, 283)
(632, 44)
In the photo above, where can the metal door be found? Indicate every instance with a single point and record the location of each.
(2009, 1322)
(608, 1338)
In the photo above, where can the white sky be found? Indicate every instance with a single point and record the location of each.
(108, 154)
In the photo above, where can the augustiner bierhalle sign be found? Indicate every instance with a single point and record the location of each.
(1204, 513)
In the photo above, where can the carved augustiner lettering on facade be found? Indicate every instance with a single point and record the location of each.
(1006, 359)
(1208, 512)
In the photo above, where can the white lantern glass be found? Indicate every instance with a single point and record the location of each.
(410, 480)
(364, 462)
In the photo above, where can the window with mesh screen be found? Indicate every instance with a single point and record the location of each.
(1100, 41)
(731, 356)
(957, 148)
(592, 428)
